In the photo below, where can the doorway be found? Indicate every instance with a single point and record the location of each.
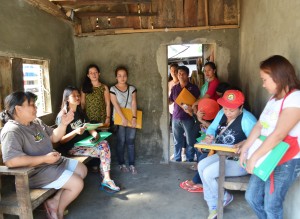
(192, 56)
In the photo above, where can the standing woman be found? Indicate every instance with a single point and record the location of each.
(95, 97)
(279, 119)
(124, 95)
(27, 142)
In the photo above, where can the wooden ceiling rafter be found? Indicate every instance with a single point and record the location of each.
(98, 2)
(114, 14)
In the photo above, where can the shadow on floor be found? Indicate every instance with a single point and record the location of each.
(153, 193)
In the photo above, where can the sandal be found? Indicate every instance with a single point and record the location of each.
(195, 188)
(186, 185)
(132, 169)
(123, 168)
(110, 184)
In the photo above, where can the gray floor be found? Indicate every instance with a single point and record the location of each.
(153, 193)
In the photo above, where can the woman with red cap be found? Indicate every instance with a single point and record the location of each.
(232, 125)
(279, 121)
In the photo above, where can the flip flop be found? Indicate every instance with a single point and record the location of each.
(184, 185)
(195, 189)
(48, 211)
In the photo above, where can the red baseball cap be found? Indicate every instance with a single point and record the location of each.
(210, 108)
(232, 99)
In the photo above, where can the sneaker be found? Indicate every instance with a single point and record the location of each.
(212, 214)
(228, 200)
(183, 158)
(172, 157)
(123, 168)
(132, 169)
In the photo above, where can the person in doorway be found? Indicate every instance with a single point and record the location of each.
(27, 142)
(124, 95)
(233, 128)
(173, 80)
(76, 131)
(183, 122)
(279, 121)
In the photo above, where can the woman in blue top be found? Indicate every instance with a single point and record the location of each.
(232, 125)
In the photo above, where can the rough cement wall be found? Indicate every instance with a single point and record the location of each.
(269, 27)
(146, 57)
(28, 32)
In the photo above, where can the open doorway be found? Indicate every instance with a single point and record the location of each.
(192, 56)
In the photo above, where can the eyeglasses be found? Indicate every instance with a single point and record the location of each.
(75, 96)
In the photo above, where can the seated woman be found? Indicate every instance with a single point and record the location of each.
(76, 131)
(231, 126)
(27, 142)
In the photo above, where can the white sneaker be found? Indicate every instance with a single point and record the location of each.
(183, 157)
(172, 157)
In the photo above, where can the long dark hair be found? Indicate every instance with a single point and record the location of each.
(87, 86)
(15, 99)
(65, 104)
(282, 72)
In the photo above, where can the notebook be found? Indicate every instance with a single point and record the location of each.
(87, 143)
(216, 147)
(266, 164)
(128, 114)
(185, 97)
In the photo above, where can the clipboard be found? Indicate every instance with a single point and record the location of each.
(216, 147)
(185, 97)
(128, 115)
(266, 164)
(87, 143)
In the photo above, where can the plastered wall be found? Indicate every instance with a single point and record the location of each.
(31, 33)
(145, 55)
(269, 27)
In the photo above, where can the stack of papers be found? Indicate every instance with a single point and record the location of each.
(216, 147)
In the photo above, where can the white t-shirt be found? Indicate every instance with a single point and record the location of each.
(269, 117)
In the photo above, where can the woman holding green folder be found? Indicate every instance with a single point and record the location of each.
(76, 131)
(279, 121)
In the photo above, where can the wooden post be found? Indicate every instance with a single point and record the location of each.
(23, 197)
(220, 184)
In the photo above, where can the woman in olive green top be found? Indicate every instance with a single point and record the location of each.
(95, 97)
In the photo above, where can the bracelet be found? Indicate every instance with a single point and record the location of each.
(108, 117)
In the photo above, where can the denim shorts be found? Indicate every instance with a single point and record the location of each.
(64, 177)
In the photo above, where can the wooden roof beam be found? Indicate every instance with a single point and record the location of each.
(48, 7)
(114, 14)
(98, 2)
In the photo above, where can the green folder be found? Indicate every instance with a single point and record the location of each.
(203, 135)
(264, 170)
(87, 143)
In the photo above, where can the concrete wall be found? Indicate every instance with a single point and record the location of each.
(269, 27)
(145, 55)
(31, 33)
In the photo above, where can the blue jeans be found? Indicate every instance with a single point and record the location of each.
(208, 169)
(200, 156)
(125, 136)
(264, 204)
(191, 130)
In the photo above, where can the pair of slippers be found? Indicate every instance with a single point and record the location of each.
(190, 188)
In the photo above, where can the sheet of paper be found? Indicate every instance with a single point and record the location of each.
(257, 143)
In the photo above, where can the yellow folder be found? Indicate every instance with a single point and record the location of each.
(128, 114)
(216, 147)
(185, 97)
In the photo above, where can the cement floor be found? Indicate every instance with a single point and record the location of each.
(153, 193)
